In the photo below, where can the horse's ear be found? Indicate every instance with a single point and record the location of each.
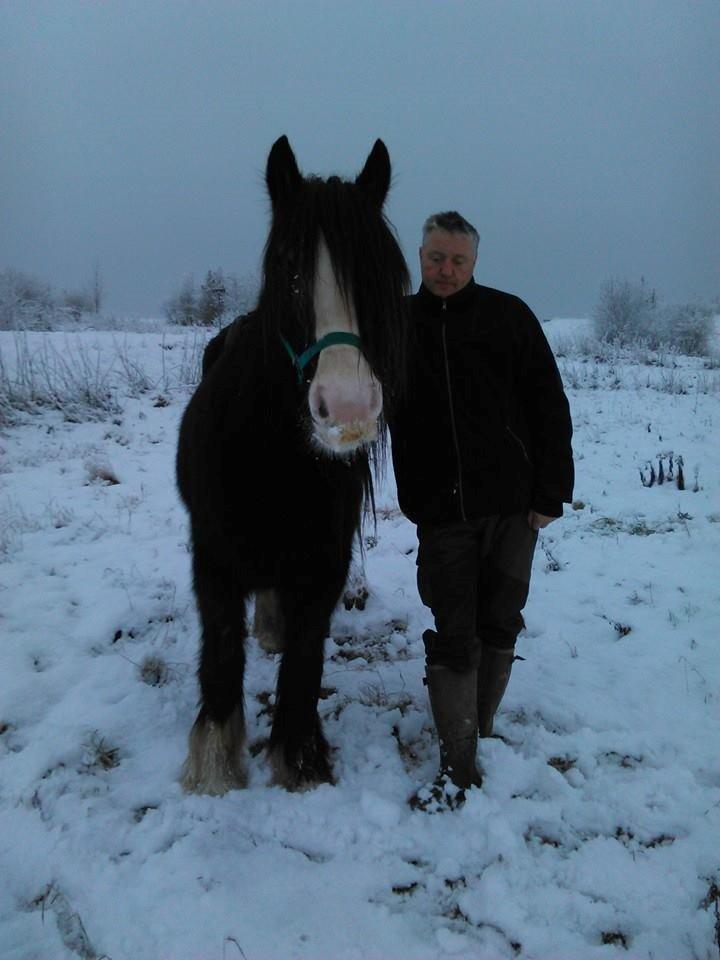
(282, 176)
(374, 178)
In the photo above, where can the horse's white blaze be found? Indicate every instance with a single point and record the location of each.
(345, 398)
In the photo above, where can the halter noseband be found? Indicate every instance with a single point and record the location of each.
(329, 340)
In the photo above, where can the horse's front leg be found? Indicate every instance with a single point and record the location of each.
(356, 589)
(216, 759)
(298, 748)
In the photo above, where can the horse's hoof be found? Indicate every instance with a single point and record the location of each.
(214, 784)
(216, 756)
(440, 796)
(355, 595)
(301, 773)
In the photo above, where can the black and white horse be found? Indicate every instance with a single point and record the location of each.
(275, 454)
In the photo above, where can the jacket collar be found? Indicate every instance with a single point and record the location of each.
(459, 302)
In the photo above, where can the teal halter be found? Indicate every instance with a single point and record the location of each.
(329, 340)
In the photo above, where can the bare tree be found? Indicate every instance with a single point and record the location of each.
(97, 289)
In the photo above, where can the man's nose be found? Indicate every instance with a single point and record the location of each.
(446, 269)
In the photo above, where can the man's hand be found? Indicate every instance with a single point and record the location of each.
(538, 520)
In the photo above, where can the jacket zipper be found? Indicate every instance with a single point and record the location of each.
(458, 485)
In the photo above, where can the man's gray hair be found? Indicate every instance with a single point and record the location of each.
(452, 222)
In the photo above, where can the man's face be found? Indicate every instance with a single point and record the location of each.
(447, 261)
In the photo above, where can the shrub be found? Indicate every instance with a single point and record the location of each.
(688, 327)
(25, 302)
(182, 306)
(211, 303)
(76, 380)
(78, 302)
(624, 312)
(628, 314)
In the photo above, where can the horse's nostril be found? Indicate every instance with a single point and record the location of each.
(323, 411)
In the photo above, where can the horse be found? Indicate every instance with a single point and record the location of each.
(277, 451)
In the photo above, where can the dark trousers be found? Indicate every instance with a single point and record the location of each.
(475, 578)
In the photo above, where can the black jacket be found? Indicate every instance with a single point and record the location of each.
(485, 425)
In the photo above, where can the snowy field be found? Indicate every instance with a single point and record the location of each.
(596, 834)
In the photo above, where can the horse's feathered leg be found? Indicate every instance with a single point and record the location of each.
(299, 750)
(216, 759)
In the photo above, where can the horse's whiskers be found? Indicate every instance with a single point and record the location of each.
(345, 438)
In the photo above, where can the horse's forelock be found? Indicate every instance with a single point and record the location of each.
(371, 270)
(367, 262)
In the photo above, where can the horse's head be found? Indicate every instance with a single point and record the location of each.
(334, 282)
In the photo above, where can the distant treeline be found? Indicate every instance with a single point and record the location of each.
(220, 295)
(627, 311)
(28, 303)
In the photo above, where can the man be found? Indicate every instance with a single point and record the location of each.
(482, 456)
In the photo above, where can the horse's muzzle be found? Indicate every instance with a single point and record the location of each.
(339, 440)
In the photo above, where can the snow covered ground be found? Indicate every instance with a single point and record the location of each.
(597, 831)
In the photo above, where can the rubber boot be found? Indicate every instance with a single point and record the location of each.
(492, 680)
(454, 708)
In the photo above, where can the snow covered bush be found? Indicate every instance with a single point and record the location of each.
(182, 307)
(75, 378)
(628, 314)
(211, 302)
(78, 302)
(688, 327)
(624, 312)
(25, 302)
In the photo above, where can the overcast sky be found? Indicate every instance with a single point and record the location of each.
(582, 138)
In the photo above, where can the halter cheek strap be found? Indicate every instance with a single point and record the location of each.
(329, 340)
